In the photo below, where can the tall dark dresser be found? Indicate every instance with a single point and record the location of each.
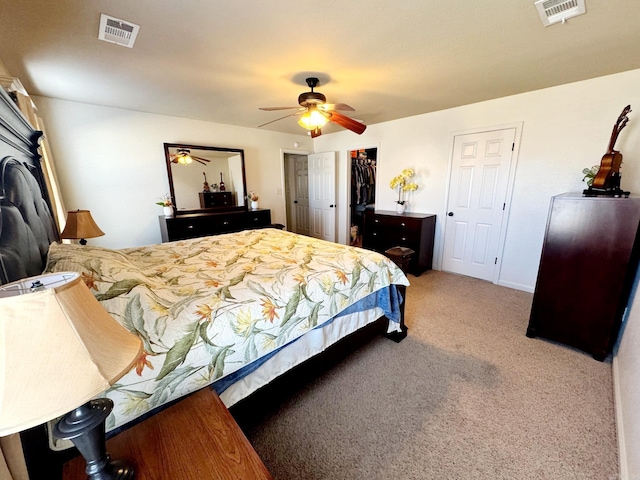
(588, 264)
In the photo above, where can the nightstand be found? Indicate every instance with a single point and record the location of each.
(194, 439)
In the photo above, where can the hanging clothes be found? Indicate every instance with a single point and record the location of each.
(363, 180)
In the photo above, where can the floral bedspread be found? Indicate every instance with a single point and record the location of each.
(205, 307)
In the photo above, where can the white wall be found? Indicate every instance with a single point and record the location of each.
(111, 161)
(626, 365)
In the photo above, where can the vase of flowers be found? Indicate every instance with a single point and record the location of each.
(166, 204)
(401, 182)
(253, 198)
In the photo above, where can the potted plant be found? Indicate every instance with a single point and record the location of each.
(253, 198)
(401, 183)
(590, 174)
(166, 204)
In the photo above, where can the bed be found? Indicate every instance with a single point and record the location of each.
(213, 310)
(231, 312)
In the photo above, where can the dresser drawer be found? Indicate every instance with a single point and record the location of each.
(216, 199)
(181, 229)
(408, 225)
(257, 219)
(186, 226)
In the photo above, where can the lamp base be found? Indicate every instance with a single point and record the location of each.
(117, 470)
(85, 427)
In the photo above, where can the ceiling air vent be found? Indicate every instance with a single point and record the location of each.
(115, 30)
(554, 11)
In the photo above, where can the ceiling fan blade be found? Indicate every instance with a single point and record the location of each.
(271, 109)
(316, 132)
(347, 122)
(200, 159)
(290, 115)
(338, 106)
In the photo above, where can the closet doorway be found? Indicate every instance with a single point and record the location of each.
(363, 190)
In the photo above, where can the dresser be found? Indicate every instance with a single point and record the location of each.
(386, 229)
(195, 225)
(588, 264)
(216, 199)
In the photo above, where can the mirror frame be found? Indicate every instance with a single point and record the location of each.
(167, 155)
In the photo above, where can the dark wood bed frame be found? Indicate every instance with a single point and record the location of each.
(27, 228)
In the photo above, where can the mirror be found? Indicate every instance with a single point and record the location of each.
(189, 166)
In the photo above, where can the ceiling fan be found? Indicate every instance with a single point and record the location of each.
(316, 112)
(183, 156)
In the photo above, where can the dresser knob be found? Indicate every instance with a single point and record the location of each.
(404, 239)
(190, 227)
(374, 234)
(376, 220)
(402, 224)
(225, 223)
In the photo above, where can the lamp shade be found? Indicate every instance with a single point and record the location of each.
(80, 224)
(59, 348)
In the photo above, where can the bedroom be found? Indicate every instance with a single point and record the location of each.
(114, 160)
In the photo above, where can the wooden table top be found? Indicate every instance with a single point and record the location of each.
(195, 439)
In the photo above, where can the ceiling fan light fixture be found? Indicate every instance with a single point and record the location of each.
(184, 159)
(312, 119)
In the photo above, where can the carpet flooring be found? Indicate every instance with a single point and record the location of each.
(465, 396)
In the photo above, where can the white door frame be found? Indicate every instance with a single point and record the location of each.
(283, 180)
(512, 175)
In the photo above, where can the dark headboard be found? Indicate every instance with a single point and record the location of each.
(27, 227)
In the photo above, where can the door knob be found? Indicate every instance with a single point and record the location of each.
(331, 206)
(450, 214)
(295, 201)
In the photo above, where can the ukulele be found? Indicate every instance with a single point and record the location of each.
(611, 161)
(205, 186)
(222, 187)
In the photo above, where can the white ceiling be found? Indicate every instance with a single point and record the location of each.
(220, 60)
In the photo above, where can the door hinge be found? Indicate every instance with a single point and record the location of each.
(503, 206)
(496, 262)
(513, 146)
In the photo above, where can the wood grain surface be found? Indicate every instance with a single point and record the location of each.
(197, 438)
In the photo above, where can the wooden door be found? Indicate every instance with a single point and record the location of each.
(477, 199)
(322, 195)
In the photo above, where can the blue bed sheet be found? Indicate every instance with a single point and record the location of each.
(388, 298)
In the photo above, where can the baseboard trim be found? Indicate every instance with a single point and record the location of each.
(622, 451)
(517, 286)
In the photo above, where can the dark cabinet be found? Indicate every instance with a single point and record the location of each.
(194, 225)
(588, 264)
(216, 199)
(386, 229)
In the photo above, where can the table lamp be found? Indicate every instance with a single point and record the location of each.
(80, 225)
(59, 348)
